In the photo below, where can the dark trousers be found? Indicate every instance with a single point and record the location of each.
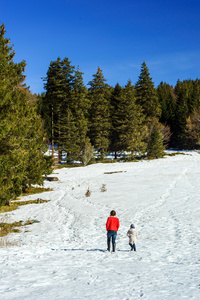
(133, 247)
(111, 234)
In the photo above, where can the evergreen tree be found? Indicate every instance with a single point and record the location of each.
(193, 130)
(67, 105)
(20, 129)
(129, 123)
(192, 94)
(58, 85)
(80, 111)
(155, 147)
(146, 94)
(44, 110)
(167, 100)
(99, 94)
(115, 117)
(181, 115)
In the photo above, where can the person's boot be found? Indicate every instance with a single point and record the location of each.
(134, 247)
(108, 246)
(113, 247)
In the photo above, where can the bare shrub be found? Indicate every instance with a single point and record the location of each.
(103, 188)
(88, 193)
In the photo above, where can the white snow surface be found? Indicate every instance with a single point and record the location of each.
(64, 255)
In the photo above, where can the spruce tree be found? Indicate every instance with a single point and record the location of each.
(167, 100)
(181, 115)
(129, 123)
(192, 133)
(115, 116)
(67, 105)
(99, 121)
(80, 111)
(58, 84)
(21, 131)
(146, 94)
(155, 147)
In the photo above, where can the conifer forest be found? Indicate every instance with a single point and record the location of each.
(86, 121)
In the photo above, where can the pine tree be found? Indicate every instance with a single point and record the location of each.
(167, 100)
(21, 129)
(99, 94)
(192, 132)
(67, 104)
(80, 111)
(146, 94)
(58, 84)
(192, 94)
(132, 131)
(181, 115)
(155, 147)
(115, 116)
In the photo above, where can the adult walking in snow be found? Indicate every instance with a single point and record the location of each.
(133, 235)
(112, 226)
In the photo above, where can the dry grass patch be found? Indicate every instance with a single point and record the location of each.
(36, 190)
(15, 204)
(6, 228)
(175, 153)
(14, 227)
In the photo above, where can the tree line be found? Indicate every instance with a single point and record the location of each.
(136, 119)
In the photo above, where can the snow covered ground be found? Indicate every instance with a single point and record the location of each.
(64, 255)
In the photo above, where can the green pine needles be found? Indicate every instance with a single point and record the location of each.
(22, 159)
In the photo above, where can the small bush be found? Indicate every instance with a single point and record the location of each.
(88, 193)
(103, 188)
(36, 190)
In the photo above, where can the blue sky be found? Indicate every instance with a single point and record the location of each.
(116, 35)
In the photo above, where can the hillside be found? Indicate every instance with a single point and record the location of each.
(64, 256)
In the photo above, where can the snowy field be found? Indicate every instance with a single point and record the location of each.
(64, 255)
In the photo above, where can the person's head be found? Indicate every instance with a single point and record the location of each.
(132, 226)
(112, 213)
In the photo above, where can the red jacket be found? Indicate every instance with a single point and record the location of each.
(112, 224)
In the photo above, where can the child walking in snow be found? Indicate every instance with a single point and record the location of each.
(133, 235)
